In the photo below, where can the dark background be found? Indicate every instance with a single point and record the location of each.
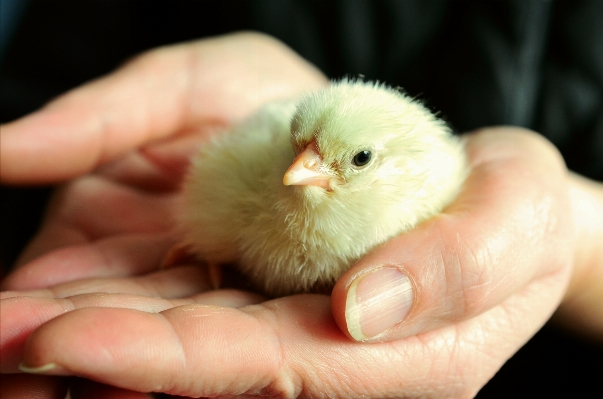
(532, 63)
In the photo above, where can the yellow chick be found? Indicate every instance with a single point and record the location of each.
(297, 193)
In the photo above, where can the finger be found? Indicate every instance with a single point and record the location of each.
(92, 207)
(228, 297)
(118, 256)
(22, 315)
(234, 359)
(289, 347)
(138, 171)
(98, 207)
(19, 386)
(152, 97)
(175, 282)
(157, 167)
(23, 312)
(508, 228)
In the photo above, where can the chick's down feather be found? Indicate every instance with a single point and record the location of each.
(301, 190)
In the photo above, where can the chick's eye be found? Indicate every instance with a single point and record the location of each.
(362, 158)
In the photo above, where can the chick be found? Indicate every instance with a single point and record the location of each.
(300, 191)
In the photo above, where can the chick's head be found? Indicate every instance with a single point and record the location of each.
(356, 136)
(370, 163)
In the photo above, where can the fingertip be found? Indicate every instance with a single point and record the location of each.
(48, 368)
(32, 145)
(87, 341)
(373, 302)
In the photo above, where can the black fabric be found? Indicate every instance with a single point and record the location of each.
(532, 63)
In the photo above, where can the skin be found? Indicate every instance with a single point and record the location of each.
(87, 294)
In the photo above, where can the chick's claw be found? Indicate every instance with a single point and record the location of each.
(181, 254)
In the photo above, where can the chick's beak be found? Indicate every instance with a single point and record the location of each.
(305, 170)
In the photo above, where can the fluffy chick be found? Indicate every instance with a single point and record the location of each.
(301, 190)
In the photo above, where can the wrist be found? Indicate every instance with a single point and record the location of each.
(582, 306)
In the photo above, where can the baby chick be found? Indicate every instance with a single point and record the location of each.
(300, 191)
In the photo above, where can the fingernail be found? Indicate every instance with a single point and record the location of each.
(37, 370)
(377, 301)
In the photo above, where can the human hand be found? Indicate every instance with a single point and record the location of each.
(477, 307)
(135, 129)
(486, 276)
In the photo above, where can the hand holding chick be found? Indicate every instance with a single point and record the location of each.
(300, 191)
(501, 304)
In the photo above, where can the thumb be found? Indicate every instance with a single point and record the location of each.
(508, 231)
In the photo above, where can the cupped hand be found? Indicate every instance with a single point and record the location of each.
(477, 281)
(134, 129)
(483, 284)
